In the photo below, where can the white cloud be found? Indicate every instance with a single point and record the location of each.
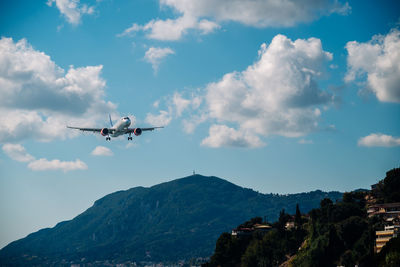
(258, 13)
(129, 145)
(379, 59)
(205, 16)
(171, 29)
(189, 125)
(72, 9)
(180, 103)
(102, 151)
(223, 136)
(341, 9)
(156, 104)
(154, 55)
(379, 140)
(39, 98)
(55, 164)
(305, 142)
(131, 30)
(17, 152)
(162, 119)
(278, 93)
(207, 26)
(176, 106)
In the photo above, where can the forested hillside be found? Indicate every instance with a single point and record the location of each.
(335, 234)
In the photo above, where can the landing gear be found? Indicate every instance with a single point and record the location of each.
(129, 137)
(108, 138)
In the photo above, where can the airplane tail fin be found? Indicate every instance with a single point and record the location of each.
(109, 116)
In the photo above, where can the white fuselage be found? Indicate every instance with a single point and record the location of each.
(121, 126)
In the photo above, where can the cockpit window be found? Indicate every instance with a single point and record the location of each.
(126, 118)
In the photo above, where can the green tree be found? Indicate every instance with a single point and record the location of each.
(226, 251)
(392, 259)
(326, 202)
(388, 189)
(269, 251)
(392, 186)
(283, 219)
(390, 254)
(297, 218)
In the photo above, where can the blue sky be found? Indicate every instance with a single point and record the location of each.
(283, 98)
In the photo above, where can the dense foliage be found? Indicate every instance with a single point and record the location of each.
(390, 254)
(180, 219)
(339, 234)
(388, 189)
(269, 248)
(335, 234)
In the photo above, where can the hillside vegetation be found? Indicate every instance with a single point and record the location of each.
(335, 234)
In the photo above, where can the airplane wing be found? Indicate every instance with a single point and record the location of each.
(131, 130)
(151, 129)
(96, 130)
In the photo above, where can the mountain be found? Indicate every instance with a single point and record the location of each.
(180, 219)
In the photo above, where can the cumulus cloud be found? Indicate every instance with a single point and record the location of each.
(379, 140)
(176, 106)
(39, 98)
(72, 10)
(180, 103)
(102, 151)
(17, 152)
(378, 60)
(162, 119)
(189, 125)
(224, 136)
(205, 16)
(259, 13)
(277, 95)
(55, 164)
(154, 55)
(171, 29)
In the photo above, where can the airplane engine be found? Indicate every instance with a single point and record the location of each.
(137, 131)
(104, 132)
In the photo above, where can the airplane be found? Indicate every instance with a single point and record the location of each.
(120, 128)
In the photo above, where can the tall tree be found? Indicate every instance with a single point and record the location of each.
(297, 218)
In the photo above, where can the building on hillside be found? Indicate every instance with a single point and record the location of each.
(262, 227)
(247, 231)
(289, 225)
(382, 237)
(388, 210)
(393, 221)
(391, 215)
(370, 199)
(239, 232)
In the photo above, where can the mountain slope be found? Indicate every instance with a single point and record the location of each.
(174, 220)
